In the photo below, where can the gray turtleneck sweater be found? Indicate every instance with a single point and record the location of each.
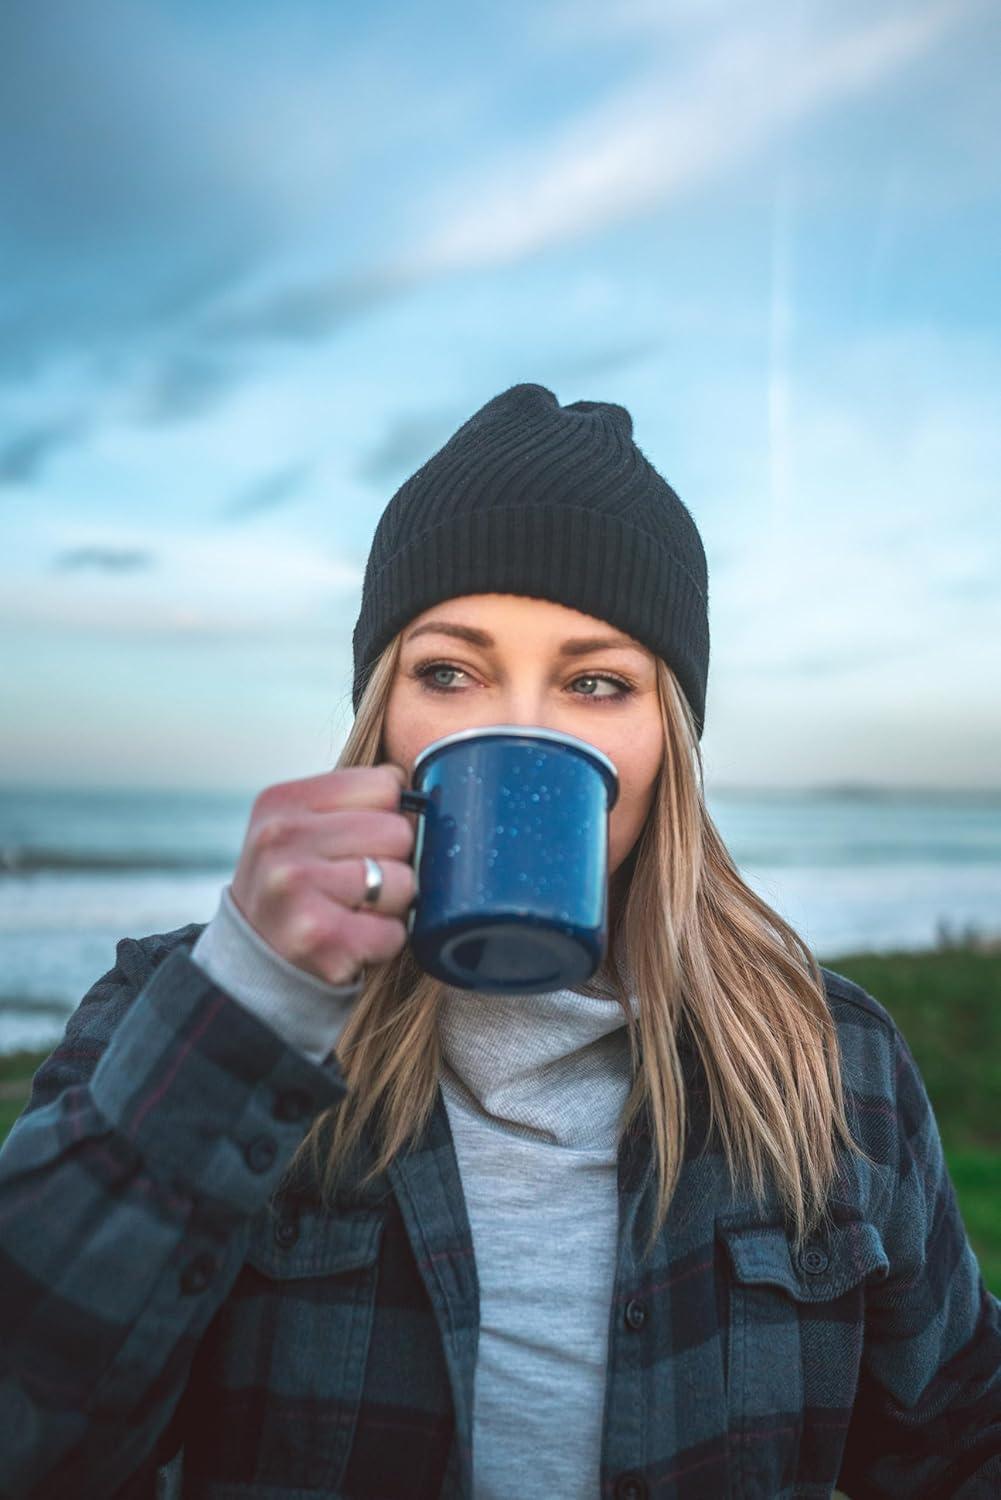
(534, 1086)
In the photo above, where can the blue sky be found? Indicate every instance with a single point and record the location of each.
(259, 262)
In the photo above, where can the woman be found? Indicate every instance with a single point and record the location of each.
(286, 1216)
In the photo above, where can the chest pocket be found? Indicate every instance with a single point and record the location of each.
(299, 1247)
(283, 1367)
(796, 1325)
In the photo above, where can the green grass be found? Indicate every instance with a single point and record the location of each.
(16, 1072)
(947, 1003)
(948, 1006)
(976, 1176)
(9, 1111)
(19, 1065)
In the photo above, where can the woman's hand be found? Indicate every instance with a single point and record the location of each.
(301, 873)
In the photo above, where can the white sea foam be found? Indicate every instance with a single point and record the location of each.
(850, 874)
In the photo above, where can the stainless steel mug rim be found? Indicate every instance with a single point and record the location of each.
(525, 731)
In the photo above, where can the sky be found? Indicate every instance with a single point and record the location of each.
(260, 261)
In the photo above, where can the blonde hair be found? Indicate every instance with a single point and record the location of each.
(704, 952)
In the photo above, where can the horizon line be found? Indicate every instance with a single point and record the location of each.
(846, 789)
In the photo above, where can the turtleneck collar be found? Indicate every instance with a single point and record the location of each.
(553, 1066)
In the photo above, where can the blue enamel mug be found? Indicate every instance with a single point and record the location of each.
(511, 858)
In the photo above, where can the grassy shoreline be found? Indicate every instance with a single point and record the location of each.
(947, 1003)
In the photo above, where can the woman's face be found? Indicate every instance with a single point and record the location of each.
(508, 659)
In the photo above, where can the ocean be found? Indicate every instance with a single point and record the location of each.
(850, 870)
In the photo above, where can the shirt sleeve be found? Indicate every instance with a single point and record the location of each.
(157, 1128)
(308, 1013)
(927, 1414)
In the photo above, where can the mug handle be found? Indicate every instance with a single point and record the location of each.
(415, 802)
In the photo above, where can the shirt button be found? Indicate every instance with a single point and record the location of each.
(260, 1153)
(630, 1487)
(197, 1274)
(814, 1260)
(292, 1104)
(635, 1314)
(286, 1233)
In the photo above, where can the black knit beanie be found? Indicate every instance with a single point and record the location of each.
(555, 502)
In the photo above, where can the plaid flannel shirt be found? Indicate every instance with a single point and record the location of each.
(178, 1320)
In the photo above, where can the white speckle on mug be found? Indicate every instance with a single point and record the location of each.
(453, 851)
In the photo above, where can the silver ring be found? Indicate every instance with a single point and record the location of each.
(373, 881)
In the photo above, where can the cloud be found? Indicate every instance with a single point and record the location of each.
(308, 312)
(408, 442)
(104, 559)
(837, 662)
(153, 158)
(169, 215)
(269, 493)
(23, 458)
(662, 134)
(575, 23)
(139, 123)
(219, 581)
(122, 168)
(603, 359)
(185, 385)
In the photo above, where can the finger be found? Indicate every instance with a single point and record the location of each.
(334, 942)
(343, 881)
(335, 835)
(350, 786)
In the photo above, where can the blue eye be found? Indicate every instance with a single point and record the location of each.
(622, 688)
(426, 670)
(436, 666)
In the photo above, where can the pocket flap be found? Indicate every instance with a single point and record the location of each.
(326, 1245)
(828, 1265)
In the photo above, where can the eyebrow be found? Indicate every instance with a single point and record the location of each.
(580, 646)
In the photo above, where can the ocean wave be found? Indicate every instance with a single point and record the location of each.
(26, 859)
(863, 855)
(35, 1005)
